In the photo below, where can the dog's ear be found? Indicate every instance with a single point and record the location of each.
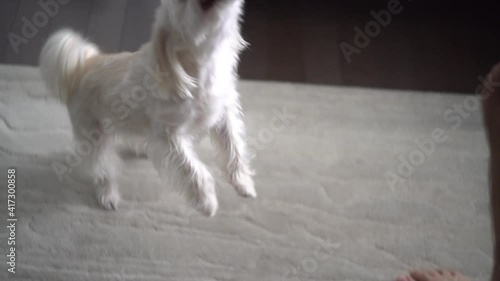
(179, 83)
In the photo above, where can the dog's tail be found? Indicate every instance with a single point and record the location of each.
(62, 56)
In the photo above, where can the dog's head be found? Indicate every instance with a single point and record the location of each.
(194, 21)
(195, 27)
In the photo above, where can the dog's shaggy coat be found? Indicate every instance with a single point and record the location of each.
(159, 100)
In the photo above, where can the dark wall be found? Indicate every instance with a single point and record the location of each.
(429, 45)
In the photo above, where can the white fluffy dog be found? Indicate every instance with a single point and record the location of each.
(162, 98)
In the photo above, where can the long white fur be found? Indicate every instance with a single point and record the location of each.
(196, 52)
(63, 53)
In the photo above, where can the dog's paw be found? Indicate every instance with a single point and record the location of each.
(245, 186)
(208, 205)
(108, 198)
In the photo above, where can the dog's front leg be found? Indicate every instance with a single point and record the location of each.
(229, 137)
(176, 159)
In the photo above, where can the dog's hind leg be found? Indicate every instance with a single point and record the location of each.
(103, 162)
(107, 164)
